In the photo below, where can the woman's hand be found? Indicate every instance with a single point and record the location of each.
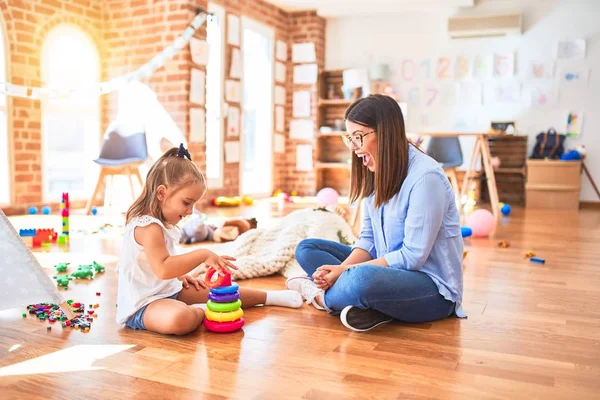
(188, 280)
(220, 263)
(326, 275)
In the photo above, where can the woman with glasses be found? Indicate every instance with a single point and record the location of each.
(407, 261)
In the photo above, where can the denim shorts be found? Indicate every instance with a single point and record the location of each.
(136, 321)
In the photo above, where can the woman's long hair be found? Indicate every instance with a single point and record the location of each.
(382, 114)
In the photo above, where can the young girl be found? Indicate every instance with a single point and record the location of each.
(154, 292)
(407, 262)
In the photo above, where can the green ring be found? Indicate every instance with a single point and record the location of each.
(224, 307)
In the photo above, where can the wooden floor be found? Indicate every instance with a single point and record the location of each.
(533, 332)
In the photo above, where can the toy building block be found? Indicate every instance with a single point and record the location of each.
(27, 232)
(61, 267)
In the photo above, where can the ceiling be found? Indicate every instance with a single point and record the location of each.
(337, 8)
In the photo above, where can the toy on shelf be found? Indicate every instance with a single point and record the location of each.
(61, 267)
(224, 313)
(234, 201)
(46, 210)
(32, 210)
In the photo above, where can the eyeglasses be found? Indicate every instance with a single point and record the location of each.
(356, 139)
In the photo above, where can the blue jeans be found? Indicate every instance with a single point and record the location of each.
(409, 296)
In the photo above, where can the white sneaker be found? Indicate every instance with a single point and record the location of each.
(307, 288)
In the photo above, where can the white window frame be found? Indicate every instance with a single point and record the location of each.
(48, 109)
(270, 33)
(217, 183)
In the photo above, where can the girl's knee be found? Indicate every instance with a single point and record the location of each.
(304, 246)
(185, 320)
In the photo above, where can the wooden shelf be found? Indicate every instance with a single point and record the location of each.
(336, 102)
(510, 171)
(332, 165)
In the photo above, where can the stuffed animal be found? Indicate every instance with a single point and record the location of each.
(196, 229)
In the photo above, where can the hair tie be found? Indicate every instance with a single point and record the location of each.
(183, 153)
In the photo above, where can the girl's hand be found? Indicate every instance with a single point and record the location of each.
(220, 263)
(326, 275)
(188, 279)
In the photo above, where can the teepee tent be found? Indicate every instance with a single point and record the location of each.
(23, 280)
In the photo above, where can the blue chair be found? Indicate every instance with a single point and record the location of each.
(124, 149)
(447, 152)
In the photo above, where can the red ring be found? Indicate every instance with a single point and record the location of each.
(224, 327)
(220, 281)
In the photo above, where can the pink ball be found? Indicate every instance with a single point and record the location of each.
(327, 197)
(482, 222)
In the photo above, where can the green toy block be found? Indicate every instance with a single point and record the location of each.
(63, 280)
(83, 274)
(98, 268)
(61, 267)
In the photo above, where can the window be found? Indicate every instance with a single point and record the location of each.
(4, 140)
(257, 161)
(70, 124)
(215, 29)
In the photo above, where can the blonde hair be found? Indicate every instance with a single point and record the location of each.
(171, 171)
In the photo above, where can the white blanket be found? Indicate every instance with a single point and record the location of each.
(262, 252)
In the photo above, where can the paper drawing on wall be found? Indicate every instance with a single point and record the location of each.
(462, 68)
(504, 65)
(574, 123)
(541, 69)
(571, 49)
(541, 97)
(233, 122)
(574, 75)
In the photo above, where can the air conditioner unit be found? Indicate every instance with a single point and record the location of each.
(474, 26)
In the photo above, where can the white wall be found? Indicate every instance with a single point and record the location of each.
(359, 41)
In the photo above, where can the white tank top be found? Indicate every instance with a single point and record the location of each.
(138, 284)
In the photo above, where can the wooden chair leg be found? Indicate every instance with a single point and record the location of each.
(97, 189)
(131, 187)
(139, 177)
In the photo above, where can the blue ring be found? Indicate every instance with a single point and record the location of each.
(226, 289)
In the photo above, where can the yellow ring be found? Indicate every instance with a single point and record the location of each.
(224, 316)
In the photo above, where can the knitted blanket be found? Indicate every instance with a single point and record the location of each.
(262, 252)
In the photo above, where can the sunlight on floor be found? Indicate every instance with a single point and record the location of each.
(14, 347)
(76, 358)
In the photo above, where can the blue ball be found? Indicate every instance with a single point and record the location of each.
(465, 231)
(94, 211)
(46, 210)
(505, 210)
(33, 210)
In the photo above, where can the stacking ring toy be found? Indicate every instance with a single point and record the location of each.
(224, 327)
(223, 307)
(226, 289)
(223, 298)
(222, 279)
(224, 316)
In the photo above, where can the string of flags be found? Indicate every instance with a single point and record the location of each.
(160, 59)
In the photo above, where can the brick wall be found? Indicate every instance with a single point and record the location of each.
(27, 23)
(305, 26)
(127, 34)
